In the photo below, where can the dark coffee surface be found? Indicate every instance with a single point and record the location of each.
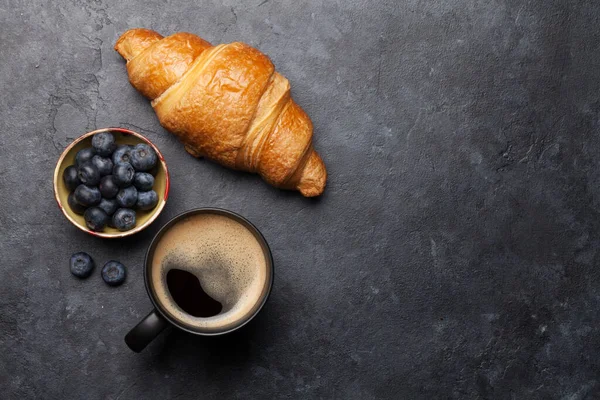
(187, 292)
(454, 254)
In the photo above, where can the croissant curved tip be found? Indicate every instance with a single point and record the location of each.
(133, 41)
(314, 177)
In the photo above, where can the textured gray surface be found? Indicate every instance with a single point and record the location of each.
(453, 255)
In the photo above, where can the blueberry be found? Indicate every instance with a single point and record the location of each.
(74, 205)
(88, 174)
(121, 154)
(143, 181)
(123, 174)
(70, 177)
(147, 200)
(123, 219)
(108, 187)
(143, 157)
(108, 206)
(110, 223)
(114, 273)
(87, 195)
(104, 143)
(127, 197)
(81, 265)
(103, 164)
(95, 219)
(84, 155)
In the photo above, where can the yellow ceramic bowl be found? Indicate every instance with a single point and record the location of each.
(122, 136)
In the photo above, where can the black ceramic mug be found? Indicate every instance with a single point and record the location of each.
(166, 312)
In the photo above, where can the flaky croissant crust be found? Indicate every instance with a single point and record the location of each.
(226, 103)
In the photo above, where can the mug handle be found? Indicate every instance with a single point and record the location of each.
(143, 333)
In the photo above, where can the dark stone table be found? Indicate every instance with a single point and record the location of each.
(454, 254)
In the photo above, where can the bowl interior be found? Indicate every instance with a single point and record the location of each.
(143, 218)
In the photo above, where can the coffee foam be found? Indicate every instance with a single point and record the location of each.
(227, 259)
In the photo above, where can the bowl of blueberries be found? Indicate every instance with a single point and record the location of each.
(111, 182)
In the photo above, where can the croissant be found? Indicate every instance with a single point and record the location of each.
(226, 103)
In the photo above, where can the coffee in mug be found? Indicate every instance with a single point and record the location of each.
(208, 271)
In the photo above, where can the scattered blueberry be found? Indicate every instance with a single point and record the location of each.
(121, 154)
(143, 157)
(70, 177)
(103, 164)
(109, 206)
(147, 200)
(108, 187)
(143, 181)
(127, 197)
(123, 219)
(81, 265)
(123, 174)
(114, 273)
(84, 155)
(88, 174)
(74, 205)
(104, 143)
(87, 195)
(95, 218)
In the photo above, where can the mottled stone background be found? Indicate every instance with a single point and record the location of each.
(454, 254)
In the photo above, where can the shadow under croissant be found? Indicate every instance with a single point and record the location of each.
(239, 175)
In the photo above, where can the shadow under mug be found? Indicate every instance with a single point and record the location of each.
(159, 318)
